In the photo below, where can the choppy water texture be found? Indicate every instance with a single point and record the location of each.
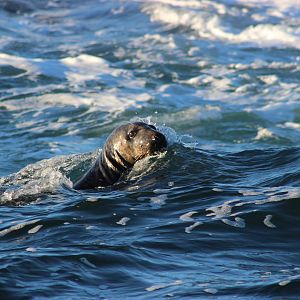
(217, 215)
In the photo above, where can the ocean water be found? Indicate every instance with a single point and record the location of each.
(215, 216)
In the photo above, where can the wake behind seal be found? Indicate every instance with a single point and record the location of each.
(123, 148)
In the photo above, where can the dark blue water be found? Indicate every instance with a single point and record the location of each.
(217, 215)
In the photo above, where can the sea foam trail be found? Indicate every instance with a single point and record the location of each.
(174, 14)
(76, 71)
(43, 177)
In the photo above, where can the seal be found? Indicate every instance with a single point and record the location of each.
(123, 148)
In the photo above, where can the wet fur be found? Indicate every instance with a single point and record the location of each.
(123, 148)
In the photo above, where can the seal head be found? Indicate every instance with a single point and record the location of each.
(123, 148)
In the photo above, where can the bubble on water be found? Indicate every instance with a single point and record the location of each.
(250, 192)
(159, 191)
(156, 287)
(291, 125)
(217, 190)
(170, 134)
(17, 227)
(264, 133)
(35, 229)
(161, 39)
(87, 262)
(190, 228)
(187, 217)
(238, 222)
(92, 199)
(159, 200)
(268, 223)
(123, 221)
(284, 282)
(210, 291)
(269, 79)
(31, 249)
(90, 227)
(283, 194)
(221, 211)
(161, 285)
(205, 284)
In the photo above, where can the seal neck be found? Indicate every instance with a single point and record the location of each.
(106, 170)
(112, 165)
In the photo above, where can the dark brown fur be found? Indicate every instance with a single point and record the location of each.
(123, 148)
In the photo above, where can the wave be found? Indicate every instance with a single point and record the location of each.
(43, 177)
(72, 72)
(77, 70)
(49, 175)
(206, 23)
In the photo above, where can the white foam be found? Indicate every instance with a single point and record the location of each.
(221, 211)
(159, 191)
(281, 111)
(17, 227)
(291, 125)
(31, 249)
(196, 113)
(86, 67)
(35, 229)
(20, 63)
(282, 5)
(192, 4)
(269, 79)
(145, 166)
(283, 194)
(209, 26)
(189, 229)
(80, 68)
(77, 70)
(162, 285)
(45, 176)
(165, 40)
(187, 217)
(123, 221)
(211, 291)
(238, 222)
(264, 133)
(250, 192)
(87, 262)
(268, 223)
(90, 227)
(291, 193)
(104, 101)
(48, 181)
(284, 282)
(159, 200)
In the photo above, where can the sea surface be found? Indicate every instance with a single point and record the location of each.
(217, 216)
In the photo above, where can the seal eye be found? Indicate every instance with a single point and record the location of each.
(131, 134)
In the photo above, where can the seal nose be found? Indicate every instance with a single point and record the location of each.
(159, 141)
